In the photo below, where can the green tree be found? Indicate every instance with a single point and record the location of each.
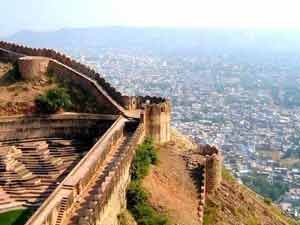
(53, 100)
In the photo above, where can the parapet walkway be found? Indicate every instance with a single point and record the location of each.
(84, 207)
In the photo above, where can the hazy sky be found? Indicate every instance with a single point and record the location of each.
(54, 14)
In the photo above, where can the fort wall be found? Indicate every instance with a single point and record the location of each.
(213, 167)
(66, 125)
(157, 120)
(12, 52)
(205, 165)
(60, 203)
(9, 56)
(202, 193)
(157, 111)
(115, 189)
(64, 73)
(109, 198)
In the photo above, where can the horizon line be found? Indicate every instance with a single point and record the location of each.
(223, 28)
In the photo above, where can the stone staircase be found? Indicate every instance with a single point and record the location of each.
(62, 209)
(5, 199)
(85, 205)
(31, 169)
(36, 158)
(67, 150)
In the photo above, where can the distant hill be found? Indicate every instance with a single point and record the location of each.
(165, 40)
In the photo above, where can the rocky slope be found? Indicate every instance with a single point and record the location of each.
(235, 204)
(16, 95)
(174, 192)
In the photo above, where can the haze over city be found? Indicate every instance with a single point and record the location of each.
(55, 14)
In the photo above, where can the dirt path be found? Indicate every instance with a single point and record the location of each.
(170, 185)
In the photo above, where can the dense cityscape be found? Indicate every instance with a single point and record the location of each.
(250, 110)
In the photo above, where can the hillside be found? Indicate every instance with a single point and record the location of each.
(235, 204)
(17, 96)
(173, 191)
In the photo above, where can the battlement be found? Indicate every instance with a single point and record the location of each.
(13, 52)
(17, 51)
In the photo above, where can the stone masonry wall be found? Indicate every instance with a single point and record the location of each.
(112, 190)
(68, 61)
(65, 73)
(157, 119)
(59, 125)
(11, 52)
(213, 167)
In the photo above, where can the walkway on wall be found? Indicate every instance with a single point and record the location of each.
(83, 208)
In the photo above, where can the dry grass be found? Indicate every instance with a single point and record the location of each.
(171, 188)
(16, 95)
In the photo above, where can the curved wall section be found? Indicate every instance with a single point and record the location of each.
(15, 51)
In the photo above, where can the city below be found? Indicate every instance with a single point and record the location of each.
(250, 110)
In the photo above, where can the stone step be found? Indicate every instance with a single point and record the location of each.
(35, 168)
(86, 205)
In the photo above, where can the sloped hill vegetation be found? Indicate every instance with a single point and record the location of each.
(172, 190)
(46, 95)
(235, 204)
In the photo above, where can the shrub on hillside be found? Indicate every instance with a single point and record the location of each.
(145, 156)
(137, 197)
(53, 100)
(138, 205)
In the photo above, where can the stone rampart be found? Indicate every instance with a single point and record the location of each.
(157, 120)
(155, 123)
(202, 192)
(115, 184)
(213, 167)
(76, 183)
(66, 125)
(12, 52)
(66, 73)
(16, 51)
(9, 56)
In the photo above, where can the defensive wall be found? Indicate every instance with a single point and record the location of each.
(213, 166)
(206, 165)
(66, 68)
(12, 52)
(210, 167)
(134, 118)
(66, 125)
(60, 204)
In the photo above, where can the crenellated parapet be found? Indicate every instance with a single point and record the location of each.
(15, 51)
(34, 61)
